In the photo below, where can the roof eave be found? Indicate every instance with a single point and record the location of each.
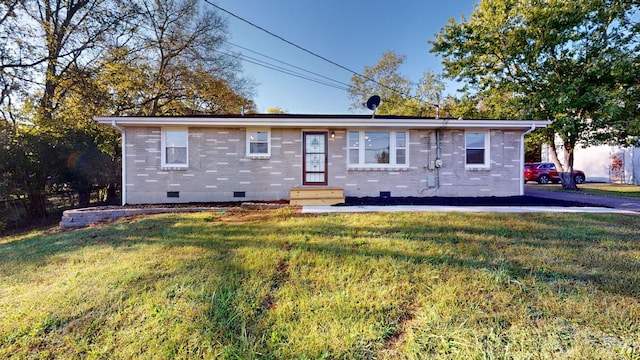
(293, 122)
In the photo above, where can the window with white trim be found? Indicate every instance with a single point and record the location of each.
(377, 149)
(174, 143)
(477, 149)
(258, 143)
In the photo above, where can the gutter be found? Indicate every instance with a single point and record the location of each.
(329, 122)
(533, 127)
(124, 161)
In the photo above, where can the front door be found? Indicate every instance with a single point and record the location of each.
(314, 166)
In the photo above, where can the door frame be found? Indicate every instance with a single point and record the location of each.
(326, 158)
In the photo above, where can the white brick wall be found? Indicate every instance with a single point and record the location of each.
(218, 167)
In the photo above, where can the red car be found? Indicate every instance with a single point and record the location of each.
(544, 173)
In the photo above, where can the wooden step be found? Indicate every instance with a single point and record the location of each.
(316, 196)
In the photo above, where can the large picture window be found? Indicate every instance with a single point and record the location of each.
(175, 147)
(258, 143)
(477, 149)
(377, 148)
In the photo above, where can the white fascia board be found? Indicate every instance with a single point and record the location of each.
(318, 122)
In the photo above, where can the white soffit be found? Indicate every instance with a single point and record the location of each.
(320, 122)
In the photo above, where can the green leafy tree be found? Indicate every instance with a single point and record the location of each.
(387, 82)
(572, 62)
(276, 110)
(63, 62)
(400, 96)
(47, 48)
(173, 65)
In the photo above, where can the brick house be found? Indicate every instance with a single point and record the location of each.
(317, 159)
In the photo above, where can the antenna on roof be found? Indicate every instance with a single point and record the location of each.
(372, 104)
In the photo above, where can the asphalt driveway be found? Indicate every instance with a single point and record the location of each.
(538, 191)
(536, 199)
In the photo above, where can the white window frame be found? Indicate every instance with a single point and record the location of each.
(249, 140)
(487, 153)
(392, 150)
(163, 147)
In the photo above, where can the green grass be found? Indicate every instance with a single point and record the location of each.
(618, 190)
(280, 285)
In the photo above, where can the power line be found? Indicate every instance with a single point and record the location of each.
(285, 40)
(288, 64)
(319, 56)
(281, 69)
(299, 47)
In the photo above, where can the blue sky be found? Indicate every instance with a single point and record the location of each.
(351, 33)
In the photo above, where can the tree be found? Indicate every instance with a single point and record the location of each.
(66, 35)
(47, 48)
(11, 68)
(400, 96)
(64, 61)
(173, 65)
(387, 83)
(276, 110)
(572, 62)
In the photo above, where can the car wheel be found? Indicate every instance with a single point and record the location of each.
(579, 179)
(543, 179)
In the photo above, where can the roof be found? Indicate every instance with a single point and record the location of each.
(315, 121)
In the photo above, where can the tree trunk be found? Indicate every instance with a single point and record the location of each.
(37, 206)
(568, 182)
(112, 194)
(84, 197)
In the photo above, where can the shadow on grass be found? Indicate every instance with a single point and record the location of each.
(597, 243)
(552, 246)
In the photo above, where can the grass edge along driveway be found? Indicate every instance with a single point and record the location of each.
(278, 284)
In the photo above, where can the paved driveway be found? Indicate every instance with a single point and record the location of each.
(312, 209)
(600, 204)
(630, 204)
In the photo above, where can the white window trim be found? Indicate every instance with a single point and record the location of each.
(248, 144)
(392, 151)
(487, 151)
(163, 151)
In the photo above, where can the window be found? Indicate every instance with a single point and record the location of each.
(174, 147)
(258, 143)
(377, 149)
(477, 149)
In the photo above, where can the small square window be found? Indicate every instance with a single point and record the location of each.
(174, 143)
(476, 153)
(258, 143)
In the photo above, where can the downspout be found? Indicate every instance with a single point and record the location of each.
(124, 161)
(533, 127)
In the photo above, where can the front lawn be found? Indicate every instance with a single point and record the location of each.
(281, 285)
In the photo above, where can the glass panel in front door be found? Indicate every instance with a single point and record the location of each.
(315, 158)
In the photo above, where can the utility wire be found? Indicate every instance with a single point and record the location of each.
(288, 64)
(280, 69)
(318, 56)
(285, 40)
